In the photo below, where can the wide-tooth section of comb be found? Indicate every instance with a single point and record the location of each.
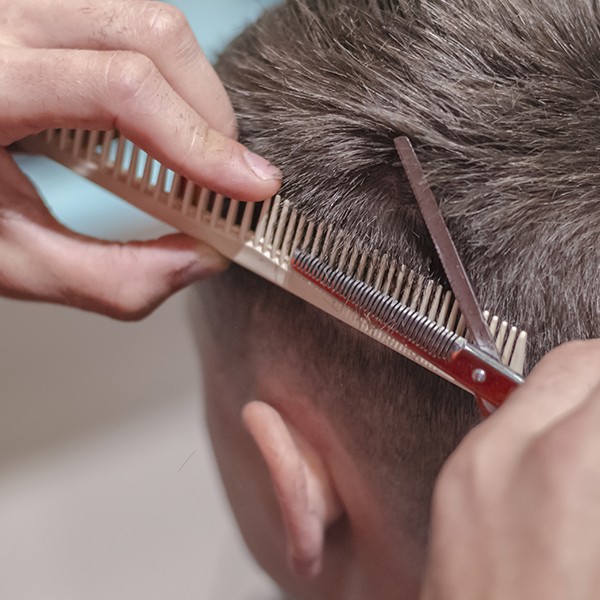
(264, 237)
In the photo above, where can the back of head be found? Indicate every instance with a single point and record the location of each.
(501, 99)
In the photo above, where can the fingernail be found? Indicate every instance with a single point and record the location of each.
(261, 167)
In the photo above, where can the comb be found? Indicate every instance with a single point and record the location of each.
(382, 298)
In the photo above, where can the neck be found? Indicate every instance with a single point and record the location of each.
(387, 564)
(368, 555)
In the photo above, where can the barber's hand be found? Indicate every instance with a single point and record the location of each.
(517, 507)
(99, 64)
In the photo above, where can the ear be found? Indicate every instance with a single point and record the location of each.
(303, 487)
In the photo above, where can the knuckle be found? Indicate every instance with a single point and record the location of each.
(573, 351)
(573, 360)
(557, 457)
(127, 314)
(466, 471)
(126, 74)
(198, 145)
(126, 298)
(450, 486)
(546, 449)
(163, 23)
(128, 305)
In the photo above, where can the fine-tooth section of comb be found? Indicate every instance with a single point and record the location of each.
(264, 237)
(388, 314)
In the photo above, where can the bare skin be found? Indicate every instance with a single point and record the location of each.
(517, 507)
(130, 64)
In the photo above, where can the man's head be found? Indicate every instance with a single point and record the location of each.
(501, 99)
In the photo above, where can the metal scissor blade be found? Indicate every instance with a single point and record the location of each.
(455, 271)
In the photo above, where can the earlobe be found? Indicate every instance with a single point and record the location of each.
(303, 487)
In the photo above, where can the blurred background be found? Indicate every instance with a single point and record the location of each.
(107, 486)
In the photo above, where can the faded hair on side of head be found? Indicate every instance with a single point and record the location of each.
(501, 99)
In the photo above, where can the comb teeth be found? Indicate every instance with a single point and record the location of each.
(264, 237)
(426, 298)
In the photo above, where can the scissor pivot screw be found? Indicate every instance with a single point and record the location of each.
(479, 376)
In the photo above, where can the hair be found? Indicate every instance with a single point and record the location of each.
(501, 99)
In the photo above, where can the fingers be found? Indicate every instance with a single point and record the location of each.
(42, 260)
(558, 385)
(154, 29)
(556, 389)
(127, 91)
(573, 441)
(123, 281)
(521, 494)
(128, 281)
(131, 65)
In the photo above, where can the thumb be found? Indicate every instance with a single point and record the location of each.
(40, 259)
(124, 281)
(128, 281)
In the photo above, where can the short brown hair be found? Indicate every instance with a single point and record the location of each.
(501, 99)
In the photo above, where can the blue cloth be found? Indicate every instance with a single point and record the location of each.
(88, 209)
(216, 22)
